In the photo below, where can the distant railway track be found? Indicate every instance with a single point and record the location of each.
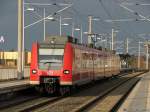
(79, 101)
(109, 100)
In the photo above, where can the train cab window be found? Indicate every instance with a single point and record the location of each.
(51, 59)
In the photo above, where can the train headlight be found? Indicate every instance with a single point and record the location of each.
(66, 71)
(34, 71)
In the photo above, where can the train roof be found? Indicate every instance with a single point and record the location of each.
(108, 52)
(57, 41)
(60, 39)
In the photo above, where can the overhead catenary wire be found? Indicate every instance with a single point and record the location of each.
(83, 17)
(108, 13)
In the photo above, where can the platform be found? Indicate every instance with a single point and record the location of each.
(11, 86)
(139, 99)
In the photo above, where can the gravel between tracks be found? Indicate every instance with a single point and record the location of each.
(70, 103)
(107, 104)
(29, 104)
(73, 102)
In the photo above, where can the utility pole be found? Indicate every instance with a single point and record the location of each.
(147, 56)
(72, 33)
(106, 42)
(112, 40)
(81, 34)
(139, 55)
(20, 35)
(127, 46)
(90, 29)
(60, 23)
(23, 45)
(110, 45)
(44, 24)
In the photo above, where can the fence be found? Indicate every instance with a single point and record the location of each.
(11, 73)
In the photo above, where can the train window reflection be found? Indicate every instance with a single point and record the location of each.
(51, 59)
(52, 62)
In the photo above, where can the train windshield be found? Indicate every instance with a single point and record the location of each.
(51, 59)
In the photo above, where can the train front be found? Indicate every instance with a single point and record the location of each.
(51, 65)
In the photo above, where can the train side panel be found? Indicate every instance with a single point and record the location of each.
(98, 59)
(34, 78)
(66, 76)
(82, 65)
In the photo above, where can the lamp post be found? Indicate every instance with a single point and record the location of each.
(81, 33)
(60, 23)
(44, 24)
(72, 29)
(23, 35)
(112, 41)
(44, 20)
(90, 29)
(139, 55)
(147, 55)
(127, 46)
(90, 19)
(20, 38)
(29, 9)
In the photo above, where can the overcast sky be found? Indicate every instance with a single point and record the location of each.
(105, 10)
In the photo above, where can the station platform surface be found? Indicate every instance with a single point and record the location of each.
(139, 98)
(15, 85)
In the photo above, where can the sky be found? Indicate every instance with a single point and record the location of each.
(80, 10)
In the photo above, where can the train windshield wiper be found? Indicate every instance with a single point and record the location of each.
(52, 62)
(48, 62)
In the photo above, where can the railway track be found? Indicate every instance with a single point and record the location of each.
(16, 101)
(14, 98)
(31, 104)
(25, 100)
(109, 100)
(80, 101)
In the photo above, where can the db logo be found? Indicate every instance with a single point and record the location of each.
(50, 72)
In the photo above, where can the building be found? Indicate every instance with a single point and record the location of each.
(9, 59)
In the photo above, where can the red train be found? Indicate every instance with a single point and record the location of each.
(59, 64)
